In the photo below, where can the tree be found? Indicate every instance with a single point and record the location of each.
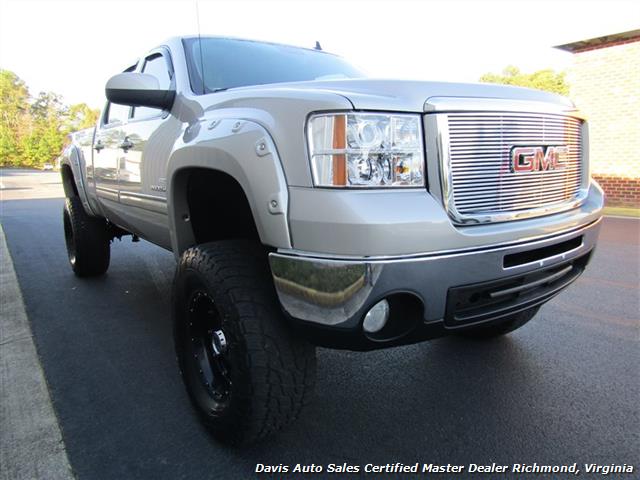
(46, 133)
(80, 116)
(33, 130)
(14, 108)
(547, 79)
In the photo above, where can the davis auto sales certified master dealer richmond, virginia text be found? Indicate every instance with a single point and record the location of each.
(448, 468)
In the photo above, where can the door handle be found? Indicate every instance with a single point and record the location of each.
(126, 145)
(98, 146)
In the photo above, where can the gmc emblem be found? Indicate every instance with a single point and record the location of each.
(537, 159)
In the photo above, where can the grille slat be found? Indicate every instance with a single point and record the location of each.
(515, 197)
(517, 204)
(520, 192)
(494, 176)
(489, 159)
(505, 145)
(502, 168)
(513, 134)
(480, 175)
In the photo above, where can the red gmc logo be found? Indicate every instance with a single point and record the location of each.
(536, 159)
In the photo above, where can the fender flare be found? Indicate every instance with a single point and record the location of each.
(73, 158)
(244, 150)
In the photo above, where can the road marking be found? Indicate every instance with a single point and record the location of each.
(31, 444)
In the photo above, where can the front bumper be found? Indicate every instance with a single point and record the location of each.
(429, 295)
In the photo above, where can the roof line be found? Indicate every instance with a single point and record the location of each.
(600, 42)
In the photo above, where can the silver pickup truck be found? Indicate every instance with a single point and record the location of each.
(308, 205)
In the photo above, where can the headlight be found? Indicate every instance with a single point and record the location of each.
(366, 150)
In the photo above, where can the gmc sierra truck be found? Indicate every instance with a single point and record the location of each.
(309, 205)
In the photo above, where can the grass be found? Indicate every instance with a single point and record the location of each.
(622, 211)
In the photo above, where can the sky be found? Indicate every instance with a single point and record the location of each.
(73, 47)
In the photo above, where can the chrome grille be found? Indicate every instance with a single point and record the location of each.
(480, 185)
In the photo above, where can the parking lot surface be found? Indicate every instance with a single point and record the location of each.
(563, 389)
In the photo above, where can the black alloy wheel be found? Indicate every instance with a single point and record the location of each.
(207, 347)
(247, 373)
(87, 238)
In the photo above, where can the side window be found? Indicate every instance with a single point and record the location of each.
(155, 65)
(116, 113)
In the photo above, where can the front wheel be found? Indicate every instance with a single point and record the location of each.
(246, 373)
(509, 324)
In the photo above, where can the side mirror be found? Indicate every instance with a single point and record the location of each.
(138, 90)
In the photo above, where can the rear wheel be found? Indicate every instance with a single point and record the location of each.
(509, 324)
(246, 373)
(87, 240)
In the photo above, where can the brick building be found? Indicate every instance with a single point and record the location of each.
(605, 85)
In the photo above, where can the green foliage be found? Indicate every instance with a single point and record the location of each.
(14, 98)
(81, 116)
(547, 79)
(33, 130)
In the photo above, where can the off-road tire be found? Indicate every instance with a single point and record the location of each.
(267, 374)
(87, 240)
(508, 325)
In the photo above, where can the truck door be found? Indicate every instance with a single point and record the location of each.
(149, 136)
(107, 154)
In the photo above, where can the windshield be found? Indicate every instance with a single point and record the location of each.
(232, 63)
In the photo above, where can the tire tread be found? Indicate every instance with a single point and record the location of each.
(92, 242)
(281, 367)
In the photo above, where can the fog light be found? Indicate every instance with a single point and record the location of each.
(377, 317)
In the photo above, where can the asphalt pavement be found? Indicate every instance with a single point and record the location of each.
(565, 388)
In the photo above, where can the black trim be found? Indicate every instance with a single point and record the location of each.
(480, 302)
(142, 98)
(530, 256)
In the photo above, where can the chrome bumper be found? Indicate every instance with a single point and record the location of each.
(336, 293)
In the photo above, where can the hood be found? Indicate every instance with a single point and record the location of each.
(412, 96)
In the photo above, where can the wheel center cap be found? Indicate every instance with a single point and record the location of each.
(218, 342)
